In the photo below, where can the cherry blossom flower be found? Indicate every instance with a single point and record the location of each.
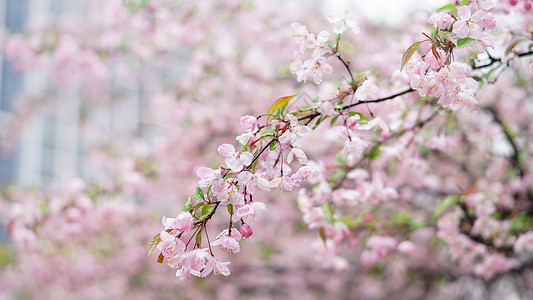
(341, 24)
(207, 176)
(183, 222)
(248, 211)
(467, 23)
(441, 20)
(367, 91)
(200, 262)
(170, 245)
(299, 153)
(228, 240)
(221, 268)
(293, 132)
(235, 160)
(283, 183)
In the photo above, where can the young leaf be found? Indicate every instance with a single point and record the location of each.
(153, 244)
(409, 52)
(273, 145)
(187, 206)
(333, 120)
(267, 130)
(199, 238)
(465, 42)
(279, 103)
(448, 201)
(198, 195)
(230, 209)
(205, 211)
(328, 212)
(447, 7)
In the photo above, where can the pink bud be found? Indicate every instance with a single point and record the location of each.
(246, 231)
(369, 217)
(352, 122)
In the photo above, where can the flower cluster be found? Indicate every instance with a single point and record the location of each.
(264, 163)
(456, 31)
(312, 69)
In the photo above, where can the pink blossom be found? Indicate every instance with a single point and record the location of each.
(228, 240)
(221, 268)
(367, 90)
(207, 176)
(320, 45)
(351, 123)
(305, 172)
(249, 123)
(341, 24)
(227, 193)
(293, 132)
(183, 222)
(524, 243)
(170, 245)
(235, 160)
(489, 22)
(200, 261)
(299, 153)
(467, 23)
(283, 183)
(441, 20)
(248, 211)
(314, 68)
(484, 4)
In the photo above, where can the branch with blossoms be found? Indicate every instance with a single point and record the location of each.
(348, 203)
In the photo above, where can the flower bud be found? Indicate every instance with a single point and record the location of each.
(246, 230)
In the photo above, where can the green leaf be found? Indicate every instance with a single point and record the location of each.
(153, 244)
(230, 209)
(338, 174)
(448, 7)
(198, 207)
(328, 212)
(348, 221)
(206, 210)
(279, 103)
(267, 130)
(521, 222)
(360, 78)
(333, 120)
(374, 153)
(199, 238)
(465, 42)
(198, 194)
(273, 145)
(464, 2)
(317, 123)
(448, 201)
(188, 205)
(434, 33)
(409, 52)
(399, 218)
(340, 159)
